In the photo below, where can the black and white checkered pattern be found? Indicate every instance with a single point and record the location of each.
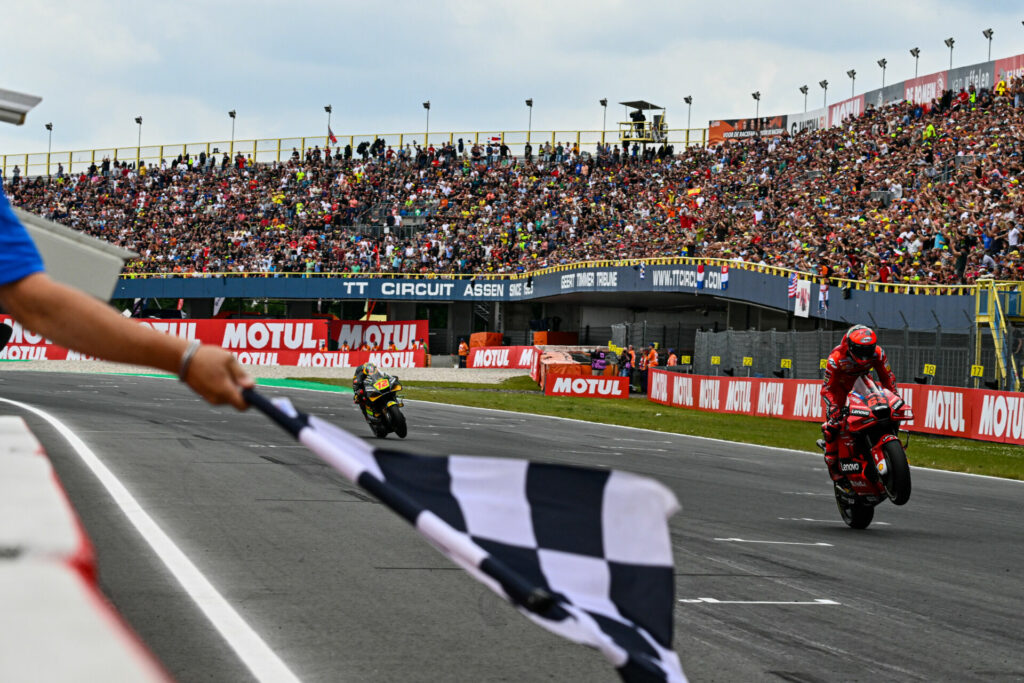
(595, 541)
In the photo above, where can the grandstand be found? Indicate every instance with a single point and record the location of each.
(908, 197)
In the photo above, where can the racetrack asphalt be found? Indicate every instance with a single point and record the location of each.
(343, 590)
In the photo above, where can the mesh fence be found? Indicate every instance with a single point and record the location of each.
(952, 353)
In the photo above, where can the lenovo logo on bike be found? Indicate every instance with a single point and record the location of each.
(850, 466)
(594, 387)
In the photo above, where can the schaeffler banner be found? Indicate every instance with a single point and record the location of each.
(509, 357)
(738, 129)
(260, 342)
(948, 411)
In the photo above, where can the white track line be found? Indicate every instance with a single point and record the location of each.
(713, 601)
(257, 656)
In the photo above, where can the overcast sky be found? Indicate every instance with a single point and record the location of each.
(182, 65)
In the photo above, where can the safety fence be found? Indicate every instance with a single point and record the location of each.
(935, 356)
(269, 150)
(972, 413)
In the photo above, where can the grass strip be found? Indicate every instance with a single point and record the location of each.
(945, 453)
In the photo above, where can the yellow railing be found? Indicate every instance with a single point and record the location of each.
(280, 149)
(1006, 364)
(878, 287)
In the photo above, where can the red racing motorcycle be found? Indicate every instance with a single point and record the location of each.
(871, 455)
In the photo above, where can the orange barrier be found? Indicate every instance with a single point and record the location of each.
(478, 339)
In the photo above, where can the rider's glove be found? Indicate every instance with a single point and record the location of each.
(831, 430)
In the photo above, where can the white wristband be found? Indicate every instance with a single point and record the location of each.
(186, 359)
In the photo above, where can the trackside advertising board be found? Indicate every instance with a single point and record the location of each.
(301, 343)
(514, 357)
(590, 387)
(947, 411)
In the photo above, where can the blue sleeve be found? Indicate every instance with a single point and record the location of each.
(18, 255)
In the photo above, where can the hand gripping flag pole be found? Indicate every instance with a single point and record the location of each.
(584, 553)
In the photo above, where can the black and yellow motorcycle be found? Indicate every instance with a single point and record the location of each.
(383, 405)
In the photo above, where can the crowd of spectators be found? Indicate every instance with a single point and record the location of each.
(906, 193)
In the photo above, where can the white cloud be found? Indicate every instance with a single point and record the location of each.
(182, 65)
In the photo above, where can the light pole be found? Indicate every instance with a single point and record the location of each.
(916, 54)
(529, 122)
(883, 63)
(426, 136)
(689, 110)
(604, 116)
(49, 139)
(824, 98)
(328, 108)
(138, 148)
(988, 34)
(757, 111)
(853, 80)
(232, 148)
(803, 89)
(949, 43)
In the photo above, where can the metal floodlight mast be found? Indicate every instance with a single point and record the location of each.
(824, 87)
(883, 63)
(328, 108)
(49, 146)
(757, 110)
(426, 135)
(138, 147)
(803, 89)
(232, 114)
(949, 43)
(604, 116)
(916, 54)
(988, 35)
(853, 80)
(689, 109)
(529, 121)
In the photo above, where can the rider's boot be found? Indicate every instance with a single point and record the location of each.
(836, 474)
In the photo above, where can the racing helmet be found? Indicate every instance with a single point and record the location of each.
(369, 369)
(861, 342)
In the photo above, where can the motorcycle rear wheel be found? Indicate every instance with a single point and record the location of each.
(398, 422)
(896, 479)
(856, 513)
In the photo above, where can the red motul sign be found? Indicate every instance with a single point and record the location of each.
(593, 387)
(515, 357)
(949, 411)
(253, 342)
(403, 334)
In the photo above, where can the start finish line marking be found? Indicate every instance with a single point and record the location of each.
(743, 540)
(713, 601)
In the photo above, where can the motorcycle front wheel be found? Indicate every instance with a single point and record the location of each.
(397, 420)
(896, 479)
(856, 513)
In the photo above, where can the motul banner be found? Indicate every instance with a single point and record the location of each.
(403, 334)
(947, 411)
(516, 357)
(592, 387)
(840, 111)
(253, 342)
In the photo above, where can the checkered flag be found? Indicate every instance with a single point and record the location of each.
(584, 553)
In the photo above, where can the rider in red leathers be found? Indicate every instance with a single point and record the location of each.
(855, 356)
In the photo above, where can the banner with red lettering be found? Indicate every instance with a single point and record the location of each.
(405, 334)
(515, 357)
(254, 342)
(845, 109)
(924, 89)
(586, 386)
(947, 411)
